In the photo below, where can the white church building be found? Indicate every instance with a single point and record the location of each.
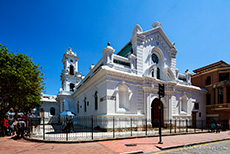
(126, 84)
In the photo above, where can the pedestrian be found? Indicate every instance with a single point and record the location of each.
(21, 128)
(213, 127)
(11, 127)
(218, 127)
(4, 126)
(69, 126)
(15, 123)
(63, 128)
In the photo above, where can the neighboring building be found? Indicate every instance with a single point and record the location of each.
(215, 78)
(49, 106)
(126, 84)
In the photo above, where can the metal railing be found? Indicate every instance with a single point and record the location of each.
(97, 128)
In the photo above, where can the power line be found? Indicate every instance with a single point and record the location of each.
(170, 9)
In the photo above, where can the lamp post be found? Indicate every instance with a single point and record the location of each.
(161, 92)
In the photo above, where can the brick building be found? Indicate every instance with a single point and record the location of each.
(215, 79)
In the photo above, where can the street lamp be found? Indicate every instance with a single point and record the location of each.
(161, 92)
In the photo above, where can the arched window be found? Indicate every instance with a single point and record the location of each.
(123, 97)
(153, 73)
(52, 111)
(158, 73)
(96, 100)
(71, 87)
(85, 104)
(78, 106)
(71, 72)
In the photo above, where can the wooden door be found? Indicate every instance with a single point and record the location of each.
(155, 113)
(194, 119)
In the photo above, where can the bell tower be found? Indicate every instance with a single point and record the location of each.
(70, 76)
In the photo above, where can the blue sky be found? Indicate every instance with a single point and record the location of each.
(44, 29)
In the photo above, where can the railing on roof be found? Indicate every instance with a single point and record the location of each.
(123, 64)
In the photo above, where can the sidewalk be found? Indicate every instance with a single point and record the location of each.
(146, 145)
(151, 144)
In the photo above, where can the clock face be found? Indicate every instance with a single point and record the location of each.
(154, 58)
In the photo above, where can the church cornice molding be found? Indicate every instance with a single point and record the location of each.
(190, 89)
(123, 76)
(65, 76)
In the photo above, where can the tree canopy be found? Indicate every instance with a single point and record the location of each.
(21, 82)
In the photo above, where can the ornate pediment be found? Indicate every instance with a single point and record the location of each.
(159, 39)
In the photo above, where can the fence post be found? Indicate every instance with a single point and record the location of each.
(202, 125)
(170, 126)
(186, 125)
(179, 125)
(92, 125)
(195, 127)
(175, 127)
(113, 127)
(43, 128)
(131, 120)
(67, 129)
(146, 127)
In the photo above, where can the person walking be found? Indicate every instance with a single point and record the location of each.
(213, 127)
(11, 127)
(21, 128)
(15, 123)
(4, 126)
(218, 127)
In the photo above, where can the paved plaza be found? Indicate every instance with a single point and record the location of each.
(145, 145)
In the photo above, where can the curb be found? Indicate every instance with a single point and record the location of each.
(133, 152)
(192, 144)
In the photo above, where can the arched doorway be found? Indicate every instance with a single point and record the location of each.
(155, 113)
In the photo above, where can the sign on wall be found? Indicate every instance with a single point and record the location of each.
(107, 98)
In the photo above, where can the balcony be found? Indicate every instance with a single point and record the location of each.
(218, 107)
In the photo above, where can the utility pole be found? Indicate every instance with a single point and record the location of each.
(161, 92)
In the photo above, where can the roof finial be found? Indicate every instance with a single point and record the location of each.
(156, 24)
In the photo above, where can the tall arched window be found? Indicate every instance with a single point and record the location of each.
(85, 105)
(153, 73)
(71, 87)
(52, 111)
(96, 100)
(71, 72)
(158, 73)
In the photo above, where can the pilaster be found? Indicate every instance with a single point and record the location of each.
(216, 93)
(137, 45)
(225, 94)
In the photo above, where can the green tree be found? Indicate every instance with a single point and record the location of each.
(21, 82)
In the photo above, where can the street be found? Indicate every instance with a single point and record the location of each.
(222, 147)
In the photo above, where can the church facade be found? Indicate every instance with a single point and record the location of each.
(126, 84)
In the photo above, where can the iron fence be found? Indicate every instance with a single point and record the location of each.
(97, 128)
